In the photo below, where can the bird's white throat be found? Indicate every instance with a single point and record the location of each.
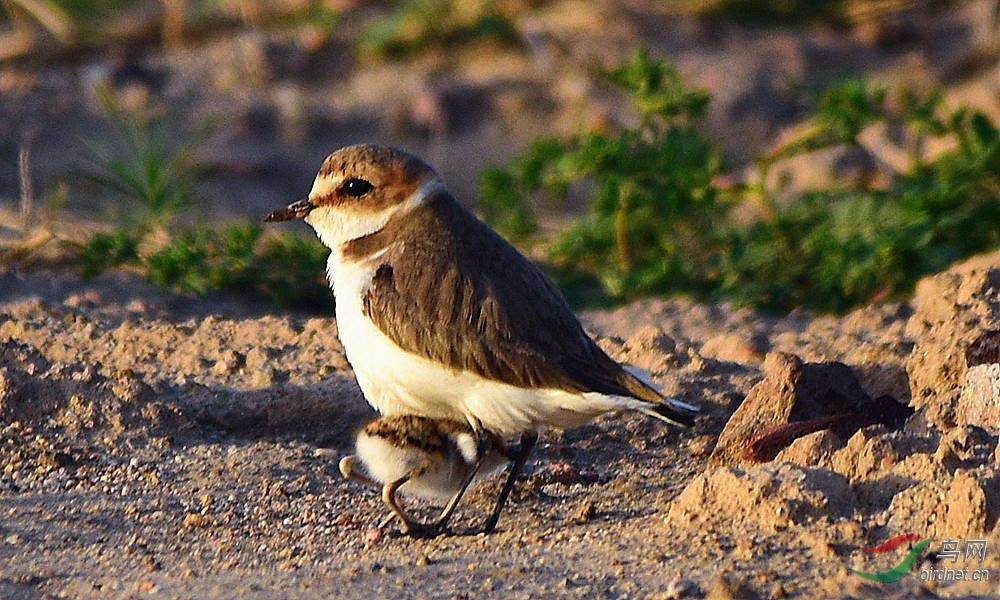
(336, 226)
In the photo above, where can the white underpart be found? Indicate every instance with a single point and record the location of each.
(441, 479)
(442, 475)
(398, 382)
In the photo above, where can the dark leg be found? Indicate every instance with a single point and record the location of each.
(484, 445)
(528, 440)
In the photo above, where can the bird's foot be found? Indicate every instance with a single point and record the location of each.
(425, 530)
(415, 529)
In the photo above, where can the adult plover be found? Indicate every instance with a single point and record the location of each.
(432, 458)
(441, 317)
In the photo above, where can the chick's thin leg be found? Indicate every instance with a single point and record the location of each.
(389, 497)
(350, 468)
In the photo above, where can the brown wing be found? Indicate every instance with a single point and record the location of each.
(461, 295)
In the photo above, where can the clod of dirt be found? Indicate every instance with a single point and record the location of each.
(813, 450)
(823, 395)
(966, 505)
(736, 348)
(770, 496)
(866, 454)
(651, 349)
(965, 447)
(985, 350)
(733, 587)
(76, 398)
(328, 406)
(953, 309)
(883, 379)
(973, 502)
(979, 401)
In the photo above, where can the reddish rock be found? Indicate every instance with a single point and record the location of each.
(797, 399)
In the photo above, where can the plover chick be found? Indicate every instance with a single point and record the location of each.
(431, 458)
(441, 317)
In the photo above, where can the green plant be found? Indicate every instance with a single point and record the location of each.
(295, 268)
(287, 269)
(653, 198)
(155, 175)
(104, 251)
(832, 249)
(658, 223)
(415, 25)
(838, 13)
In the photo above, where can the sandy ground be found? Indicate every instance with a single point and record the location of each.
(155, 445)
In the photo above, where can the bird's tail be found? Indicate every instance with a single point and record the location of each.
(659, 406)
(673, 411)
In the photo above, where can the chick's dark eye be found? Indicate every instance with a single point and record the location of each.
(356, 188)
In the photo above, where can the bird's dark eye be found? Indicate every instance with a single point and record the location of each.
(355, 187)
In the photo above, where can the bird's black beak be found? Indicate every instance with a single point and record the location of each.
(295, 210)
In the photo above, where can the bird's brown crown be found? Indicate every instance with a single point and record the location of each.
(369, 179)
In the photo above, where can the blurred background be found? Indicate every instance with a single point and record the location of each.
(147, 118)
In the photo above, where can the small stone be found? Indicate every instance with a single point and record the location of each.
(564, 473)
(136, 306)
(584, 513)
(195, 521)
(229, 363)
(681, 587)
(375, 535)
(966, 447)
